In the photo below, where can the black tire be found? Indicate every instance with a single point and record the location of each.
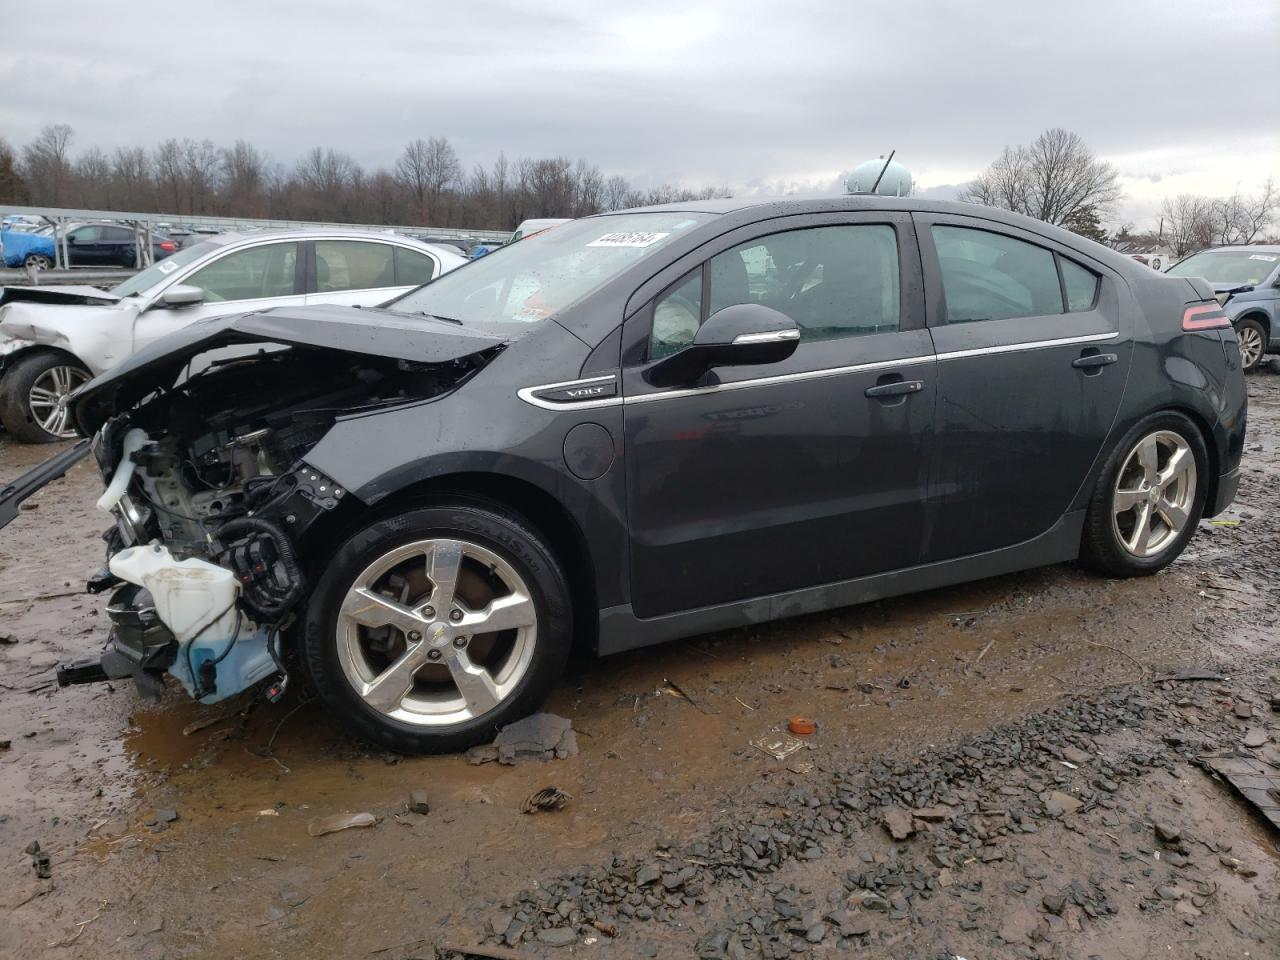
(1101, 547)
(491, 527)
(15, 392)
(1254, 328)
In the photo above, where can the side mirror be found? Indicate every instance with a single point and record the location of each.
(182, 295)
(743, 334)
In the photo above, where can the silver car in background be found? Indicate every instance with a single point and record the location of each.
(53, 339)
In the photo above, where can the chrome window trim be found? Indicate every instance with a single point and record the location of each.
(527, 393)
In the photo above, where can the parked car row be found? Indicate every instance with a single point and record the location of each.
(88, 245)
(54, 339)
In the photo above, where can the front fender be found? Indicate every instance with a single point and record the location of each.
(99, 336)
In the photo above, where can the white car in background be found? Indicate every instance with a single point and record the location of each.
(53, 339)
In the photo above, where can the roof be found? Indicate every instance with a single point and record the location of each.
(1246, 247)
(248, 236)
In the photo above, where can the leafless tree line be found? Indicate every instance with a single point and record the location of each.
(1192, 222)
(427, 185)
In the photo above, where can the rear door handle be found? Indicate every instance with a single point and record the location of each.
(895, 389)
(1094, 360)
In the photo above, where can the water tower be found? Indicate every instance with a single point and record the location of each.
(895, 182)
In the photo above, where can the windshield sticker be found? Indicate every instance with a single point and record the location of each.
(167, 267)
(1263, 256)
(628, 239)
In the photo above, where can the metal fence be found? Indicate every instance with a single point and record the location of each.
(144, 224)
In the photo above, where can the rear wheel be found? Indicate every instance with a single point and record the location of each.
(1148, 499)
(430, 630)
(34, 397)
(1253, 342)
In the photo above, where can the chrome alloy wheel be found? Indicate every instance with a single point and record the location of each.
(436, 632)
(1250, 345)
(1154, 493)
(48, 397)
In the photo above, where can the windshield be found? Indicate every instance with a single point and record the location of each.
(1227, 266)
(525, 282)
(149, 277)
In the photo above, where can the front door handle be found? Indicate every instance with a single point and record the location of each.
(895, 389)
(1093, 361)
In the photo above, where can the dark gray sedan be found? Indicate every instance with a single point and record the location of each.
(642, 426)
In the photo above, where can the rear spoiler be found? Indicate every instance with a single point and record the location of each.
(12, 494)
(57, 294)
(1199, 290)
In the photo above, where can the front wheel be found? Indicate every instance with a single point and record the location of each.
(1148, 499)
(38, 260)
(34, 396)
(430, 630)
(1253, 343)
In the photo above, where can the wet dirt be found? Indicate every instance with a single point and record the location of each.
(237, 873)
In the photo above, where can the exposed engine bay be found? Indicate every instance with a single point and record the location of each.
(211, 495)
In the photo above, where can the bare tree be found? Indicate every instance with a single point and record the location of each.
(93, 180)
(1056, 178)
(131, 174)
(46, 165)
(429, 169)
(244, 174)
(200, 167)
(167, 164)
(1189, 223)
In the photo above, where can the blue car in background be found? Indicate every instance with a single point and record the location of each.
(1246, 281)
(88, 244)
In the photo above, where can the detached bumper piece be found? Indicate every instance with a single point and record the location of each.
(12, 495)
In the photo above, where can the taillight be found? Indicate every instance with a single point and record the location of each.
(1204, 316)
(168, 245)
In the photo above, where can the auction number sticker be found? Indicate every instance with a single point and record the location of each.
(1263, 256)
(632, 239)
(167, 267)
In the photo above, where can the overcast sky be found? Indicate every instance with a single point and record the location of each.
(759, 96)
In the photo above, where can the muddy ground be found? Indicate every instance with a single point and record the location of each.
(1014, 733)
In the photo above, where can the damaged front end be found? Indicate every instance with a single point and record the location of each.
(209, 486)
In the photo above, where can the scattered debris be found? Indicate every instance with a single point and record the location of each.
(196, 726)
(1256, 781)
(541, 736)
(1059, 803)
(418, 802)
(1256, 737)
(898, 822)
(778, 746)
(548, 798)
(39, 860)
(802, 726)
(671, 688)
(1187, 673)
(340, 821)
(478, 950)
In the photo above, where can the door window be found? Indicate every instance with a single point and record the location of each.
(265, 271)
(1079, 284)
(989, 276)
(353, 265)
(413, 269)
(85, 235)
(117, 234)
(834, 282)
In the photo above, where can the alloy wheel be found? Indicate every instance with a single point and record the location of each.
(437, 632)
(39, 261)
(1154, 493)
(48, 398)
(1250, 345)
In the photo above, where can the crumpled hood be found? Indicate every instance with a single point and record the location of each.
(380, 333)
(57, 294)
(87, 328)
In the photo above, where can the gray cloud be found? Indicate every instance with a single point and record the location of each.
(757, 95)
